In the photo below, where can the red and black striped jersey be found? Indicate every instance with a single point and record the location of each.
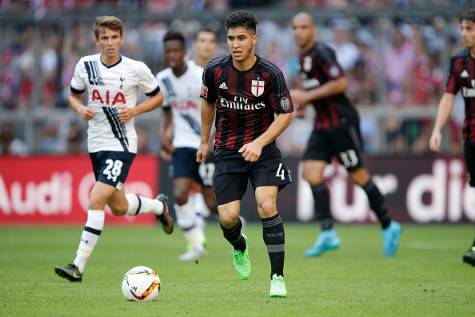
(317, 67)
(246, 101)
(461, 78)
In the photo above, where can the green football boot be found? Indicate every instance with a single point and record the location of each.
(241, 262)
(277, 286)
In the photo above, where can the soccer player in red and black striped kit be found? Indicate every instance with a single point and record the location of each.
(461, 78)
(250, 99)
(336, 133)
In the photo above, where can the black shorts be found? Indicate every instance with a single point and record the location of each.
(111, 167)
(344, 143)
(233, 172)
(184, 165)
(469, 154)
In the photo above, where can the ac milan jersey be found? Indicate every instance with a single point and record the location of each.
(182, 95)
(317, 67)
(110, 87)
(246, 101)
(462, 78)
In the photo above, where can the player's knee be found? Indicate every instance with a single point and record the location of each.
(181, 196)
(267, 207)
(119, 210)
(211, 204)
(359, 176)
(228, 220)
(96, 202)
(311, 176)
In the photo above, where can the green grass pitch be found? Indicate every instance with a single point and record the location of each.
(426, 278)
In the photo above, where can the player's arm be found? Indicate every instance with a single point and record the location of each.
(151, 103)
(252, 151)
(78, 87)
(330, 88)
(207, 118)
(443, 115)
(75, 102)
(445, 106)
(166, 130)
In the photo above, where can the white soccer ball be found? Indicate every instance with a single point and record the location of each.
(141, 283)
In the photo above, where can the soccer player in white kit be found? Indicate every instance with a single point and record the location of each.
(181, 88)
(112, 82)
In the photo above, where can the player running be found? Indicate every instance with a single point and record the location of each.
(249, 97)
(181, 83)
(461, 77)
(336, 133)
(112, 82)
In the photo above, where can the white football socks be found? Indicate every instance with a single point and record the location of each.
(139, 205)
(90, 235)
(187, 221)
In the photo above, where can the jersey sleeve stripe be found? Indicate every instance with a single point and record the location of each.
(153, 92)
(77, 91)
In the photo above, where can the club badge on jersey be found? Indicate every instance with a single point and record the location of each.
(257, 87)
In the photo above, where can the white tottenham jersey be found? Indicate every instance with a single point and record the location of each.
(182, 95)
(110, 87)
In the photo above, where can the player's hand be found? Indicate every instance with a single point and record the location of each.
(166, 144)
(87, 113)
(434, 142)
(202, 153)
(125, 114)
(251, 151)
(299, 98)
(165, 155)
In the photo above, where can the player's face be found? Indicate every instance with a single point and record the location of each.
(241, 42)
(467, 30)
(304, 31)
(109, 42)
(174, 54)
(205, 45)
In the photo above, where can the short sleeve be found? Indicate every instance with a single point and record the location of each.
(208, 89)
(164, 90)
(146, 80)
(452, 85)
(279, 97)
(330, 65)
(78, 86)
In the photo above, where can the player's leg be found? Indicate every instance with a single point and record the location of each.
(229, 189)
(267, 177)
(129, 204)
(187, 219)
(317, 155)
(90, 234)
(348, 145)
(110, 170)
(273, 234)
(469, 155)
(184, 170)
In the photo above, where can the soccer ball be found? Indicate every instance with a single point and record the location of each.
(141, 283)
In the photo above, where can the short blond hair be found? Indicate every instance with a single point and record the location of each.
(108, 22)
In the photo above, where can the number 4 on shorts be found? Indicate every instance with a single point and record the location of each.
(280, 172)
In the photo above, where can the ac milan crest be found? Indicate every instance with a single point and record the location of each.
(257, 87)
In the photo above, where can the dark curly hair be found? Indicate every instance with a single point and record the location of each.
(468, 15)
(241, 18)
(174, 36)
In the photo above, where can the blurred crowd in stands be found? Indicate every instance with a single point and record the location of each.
(398, 62)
